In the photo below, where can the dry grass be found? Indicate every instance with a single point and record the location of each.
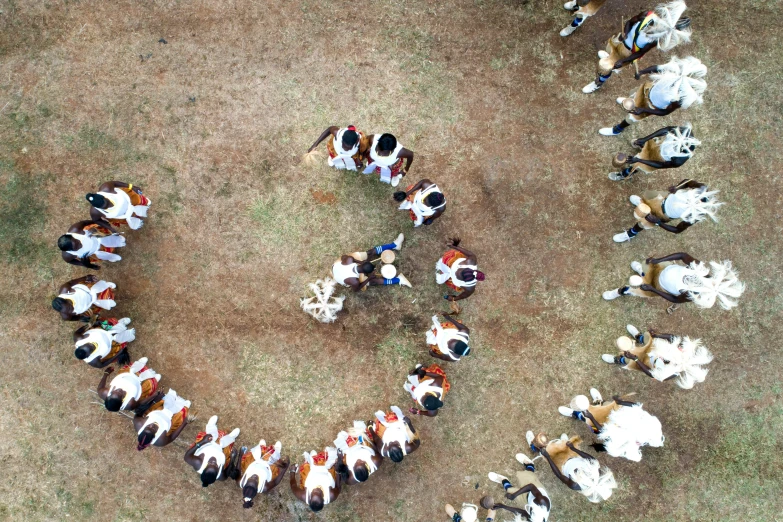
(213, 125)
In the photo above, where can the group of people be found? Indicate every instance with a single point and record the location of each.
(159, 418)
(622, 427)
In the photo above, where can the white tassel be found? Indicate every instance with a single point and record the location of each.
(323, 306)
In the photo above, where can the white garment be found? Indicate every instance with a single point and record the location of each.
(214, 448)
(675, 205)
(532, 502)
(260, 467)
(641, 42)
(130, 381)
(396, 431)
(123, 209)
(211, 450)
(118, 333)
(419, 208)
(342, 272)
(444, 272)
(319, 477)
(84, 297)
(443, 336)
(418, 389)
(344, 159)
(121, 333)
(382, 162)
(671, 279)
(361, 450)
(572, 465)
(172, 404)
(90, 244)
(661, 95)
(101, 339)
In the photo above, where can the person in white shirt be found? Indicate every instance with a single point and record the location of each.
(357, 456)
(664, 28)
(393, 434)
(357, 270)
(87, 243)
(424, 201)
(119, 203)
(83, 298)
(213, 453)
(134, 386)
(691, 280)
(100, 343)
(346, 146)
(678, 84)
(448, 340)
(318, 482)
(385, 156)
(160, 423)
(662, 356)
(666, 148)
(689, 202)
(261, 469)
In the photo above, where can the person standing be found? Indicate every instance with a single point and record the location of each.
(690, 280)
(424, 201)
(87, 243)
(674, 85)
(538, 503)
(394, 435)
(346, 146)
(212, 453)
(448, 340)
(135, 385)
(318, 482)
(119, 203)
(689, 202)
(261, 469)
(357, 456)
(428, 388)
(666, 148)
(662, 356)
(82, 298)
(576, 469)
(665, 28)
(101, 345)
(161, 423)
(458, 270)
(385, 157)
(622, 427)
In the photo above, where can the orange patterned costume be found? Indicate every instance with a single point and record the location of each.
(226, 451)
(448, 259)
(148, 386)
(135, 198)
(267, 452)
(176, 420)
(319, 459)
(434, 347)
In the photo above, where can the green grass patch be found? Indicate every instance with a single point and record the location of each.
(22, 217)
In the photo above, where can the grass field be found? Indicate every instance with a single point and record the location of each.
(213, 125)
